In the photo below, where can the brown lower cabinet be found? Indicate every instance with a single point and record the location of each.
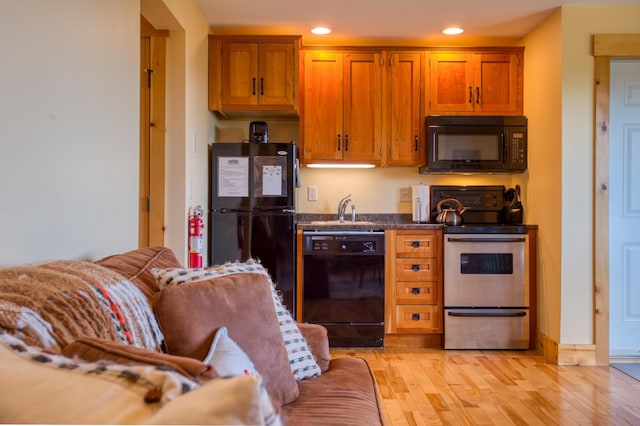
(414, 284)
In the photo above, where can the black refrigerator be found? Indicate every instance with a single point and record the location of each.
(252, 209)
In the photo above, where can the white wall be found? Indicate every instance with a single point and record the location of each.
(69, 119)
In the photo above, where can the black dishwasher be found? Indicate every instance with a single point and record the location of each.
(343, 288)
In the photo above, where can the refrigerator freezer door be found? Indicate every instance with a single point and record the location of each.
(246, 176)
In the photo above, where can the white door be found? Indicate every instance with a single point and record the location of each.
(624, 210)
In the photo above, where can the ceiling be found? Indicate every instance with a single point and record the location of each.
(398, 22)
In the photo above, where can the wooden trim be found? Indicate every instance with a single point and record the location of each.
(576, 354)
(616, 45)
(601, 219)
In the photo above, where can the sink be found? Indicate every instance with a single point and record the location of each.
(337, 222)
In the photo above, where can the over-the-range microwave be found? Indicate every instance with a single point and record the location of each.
(475, 144)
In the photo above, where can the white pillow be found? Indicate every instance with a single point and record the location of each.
(303, 364)
(227, 357)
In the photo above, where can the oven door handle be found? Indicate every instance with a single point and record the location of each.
(487, 314)
(486, 240)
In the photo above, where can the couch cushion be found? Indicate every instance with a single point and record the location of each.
(190, 314)
(301, 360)
(136, 265)
(345, 395)
(94, 350)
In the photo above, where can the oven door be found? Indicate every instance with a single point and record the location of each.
(486, 270)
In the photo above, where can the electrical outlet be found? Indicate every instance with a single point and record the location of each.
(312, 193)
(405, 195)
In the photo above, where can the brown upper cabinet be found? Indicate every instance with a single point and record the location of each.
(403, 120)
(362, 107)
(253, 73)
(341, 105)
(476, 83)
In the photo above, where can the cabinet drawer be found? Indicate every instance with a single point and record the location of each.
(416, 292)
(417, 245)
(418, 269)
(416, 316)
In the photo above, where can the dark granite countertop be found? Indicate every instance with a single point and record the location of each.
(364, 221)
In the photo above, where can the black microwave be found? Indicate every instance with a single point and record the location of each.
(475, 144)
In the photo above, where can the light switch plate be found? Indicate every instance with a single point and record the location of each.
(312, 193)
(405, 194)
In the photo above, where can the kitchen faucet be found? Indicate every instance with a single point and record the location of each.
(342, 206)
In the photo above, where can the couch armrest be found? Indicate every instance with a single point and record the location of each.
(318, 342)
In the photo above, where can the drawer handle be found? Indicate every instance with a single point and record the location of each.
(415, 244)
(415, 317)
(415, 290)
(415, 267)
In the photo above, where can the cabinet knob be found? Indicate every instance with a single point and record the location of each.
(253, 85)
(477, 94)
(415, 267)
(416, 148)
(415, 317)
(415, 290)
(262, 86)
(346, 142)
(415, 244)
(339, 143)
(470, 94)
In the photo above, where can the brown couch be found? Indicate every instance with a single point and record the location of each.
(112, 313)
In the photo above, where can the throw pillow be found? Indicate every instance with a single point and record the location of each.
(190, 314)
(303, 364)
(241, 400)
(227, 357)
(93, 350)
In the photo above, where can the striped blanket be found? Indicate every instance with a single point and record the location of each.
(53, 304)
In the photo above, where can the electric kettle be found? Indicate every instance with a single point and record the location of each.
(449, 216)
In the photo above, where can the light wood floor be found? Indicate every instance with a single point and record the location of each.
(432, 386)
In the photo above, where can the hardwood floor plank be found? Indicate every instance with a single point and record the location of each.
(437, 387)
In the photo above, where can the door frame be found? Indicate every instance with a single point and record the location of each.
(152, 138)
(606, 47)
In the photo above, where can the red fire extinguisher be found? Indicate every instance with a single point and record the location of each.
(196, 231)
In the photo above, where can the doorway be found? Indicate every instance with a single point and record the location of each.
(605, 49)
(152, 131)
(624, 210)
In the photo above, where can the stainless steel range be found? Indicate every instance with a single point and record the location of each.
(486, 273)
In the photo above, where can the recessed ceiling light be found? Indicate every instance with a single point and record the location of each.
(321, 30)
(453, 31)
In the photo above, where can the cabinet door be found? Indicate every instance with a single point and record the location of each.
(321, 125)
(405, 116)
(451, 83)
(276, 77)
(239, 73)
(362, 137)
(496, 82)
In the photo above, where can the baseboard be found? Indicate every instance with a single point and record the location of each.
(566, 354)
